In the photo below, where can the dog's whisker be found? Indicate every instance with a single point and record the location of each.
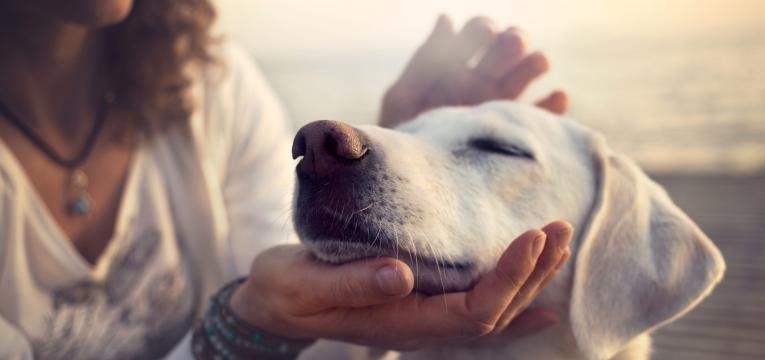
(339, 216)
(285, 217)
(435, 256)
(372, 245)
(365, 208)
(333, 202)
(416, 262)
(355, 224)
(367, 239)
(395, 236)
(350, 205)
(440, 275)
(350, 217)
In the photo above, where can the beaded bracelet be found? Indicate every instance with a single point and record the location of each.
(222, 335)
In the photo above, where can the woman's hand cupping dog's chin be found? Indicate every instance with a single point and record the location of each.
(468, 67)
(370, 302)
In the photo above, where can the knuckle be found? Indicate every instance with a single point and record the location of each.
(347, 288)
(294, 296)
(288, 287)
(298, 302)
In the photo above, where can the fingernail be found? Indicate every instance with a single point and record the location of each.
(565, 233)
(390, 280)
(538, 245)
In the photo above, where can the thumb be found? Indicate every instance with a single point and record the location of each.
(362, 283)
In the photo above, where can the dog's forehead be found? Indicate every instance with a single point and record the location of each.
(499, 118)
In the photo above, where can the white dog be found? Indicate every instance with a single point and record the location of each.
(448, 191)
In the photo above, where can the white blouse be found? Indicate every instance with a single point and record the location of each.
(197, 207)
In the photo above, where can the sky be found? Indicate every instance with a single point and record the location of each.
(326, 26)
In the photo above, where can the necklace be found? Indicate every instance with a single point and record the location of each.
(81, 202)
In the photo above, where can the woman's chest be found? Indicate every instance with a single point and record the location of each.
(83, 201)
(140, 296)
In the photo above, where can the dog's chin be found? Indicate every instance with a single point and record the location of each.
(432, 276)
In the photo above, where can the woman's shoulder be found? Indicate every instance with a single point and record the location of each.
(235, 105)
(235, 79)
(234, 66)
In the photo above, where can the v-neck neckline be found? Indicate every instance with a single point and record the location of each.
(63, 246)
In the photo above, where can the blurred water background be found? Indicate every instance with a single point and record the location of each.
(679, 86)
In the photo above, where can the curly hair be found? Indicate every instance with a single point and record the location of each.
(149, 56)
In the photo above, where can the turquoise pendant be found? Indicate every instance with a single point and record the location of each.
(79, 183)
(81, 206)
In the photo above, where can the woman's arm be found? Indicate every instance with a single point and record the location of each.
(258, 174)
(242, 136)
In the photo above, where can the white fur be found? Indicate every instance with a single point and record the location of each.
(637, 261)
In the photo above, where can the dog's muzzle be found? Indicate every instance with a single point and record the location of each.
(336, 178)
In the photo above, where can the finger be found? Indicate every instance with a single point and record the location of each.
(356, 284)
(496, 289)
(528, 69)
(503, 55)
(448, 64)
(561, 262)
(441, 30)
(424, 65)
(418, 76)
(556, 102)
(558, 236)
(477, 33)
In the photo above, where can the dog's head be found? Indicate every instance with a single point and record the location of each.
(447, 192)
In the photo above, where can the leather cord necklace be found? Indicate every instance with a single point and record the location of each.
(81, 203)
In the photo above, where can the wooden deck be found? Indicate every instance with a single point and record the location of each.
(730, 324)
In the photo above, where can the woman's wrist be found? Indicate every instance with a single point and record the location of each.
(224, 333)
(247, 306)
(246, 309)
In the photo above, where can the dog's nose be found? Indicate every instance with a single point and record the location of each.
(327, 146)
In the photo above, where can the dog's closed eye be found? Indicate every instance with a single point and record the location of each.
(495, 146)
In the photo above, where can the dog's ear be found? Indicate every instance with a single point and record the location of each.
(641, 262)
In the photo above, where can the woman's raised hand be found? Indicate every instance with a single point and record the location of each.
(476, 64)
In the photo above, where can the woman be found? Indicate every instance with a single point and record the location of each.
(143, 166)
